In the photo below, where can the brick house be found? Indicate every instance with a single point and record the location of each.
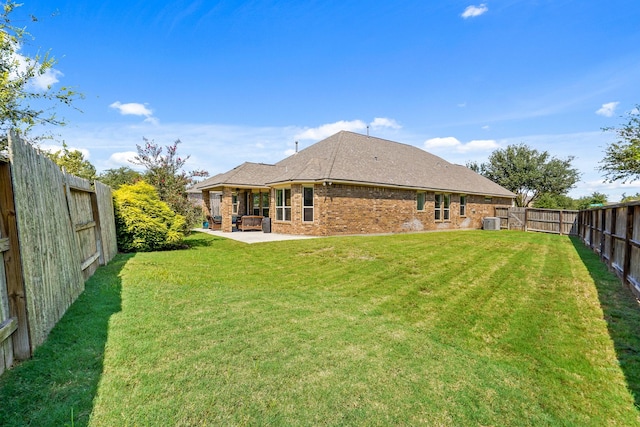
(356, 184)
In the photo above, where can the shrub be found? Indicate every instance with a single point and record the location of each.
(144, 222)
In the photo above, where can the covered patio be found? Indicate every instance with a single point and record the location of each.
(243, 192)
(235, 203)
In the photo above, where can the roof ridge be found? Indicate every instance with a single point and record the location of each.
(334, 154)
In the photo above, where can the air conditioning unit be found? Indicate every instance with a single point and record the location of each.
(491, 223)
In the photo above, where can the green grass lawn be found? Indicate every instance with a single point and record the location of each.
(458, 328)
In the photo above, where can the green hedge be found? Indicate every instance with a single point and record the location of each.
(144, 222)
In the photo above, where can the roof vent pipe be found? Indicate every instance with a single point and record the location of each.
(296, 146)
(367, 131)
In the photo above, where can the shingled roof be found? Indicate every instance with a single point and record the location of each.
(351, 158)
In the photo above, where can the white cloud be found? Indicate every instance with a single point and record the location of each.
(120, 159)
(39, 81)
(608, 109)
(132, 109)
(451, 143)
(436, 143)
(479, 145)
(46, 80)
(383, 122)
(473, 11)
(329, 129)
(486, 127)
(50, 148)
(136, 109)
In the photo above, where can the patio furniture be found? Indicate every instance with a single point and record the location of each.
(215, 223)
(249, 222)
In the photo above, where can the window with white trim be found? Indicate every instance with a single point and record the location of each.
(307, 204)
(443, 201)
(445, 206)
(463, 205)
(234, 204)
(283, 204)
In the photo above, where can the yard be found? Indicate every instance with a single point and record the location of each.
(455, 328)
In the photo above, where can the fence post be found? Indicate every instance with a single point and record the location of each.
(560, 225)
(603, 226)
(627, 245)
(13, 266)
(98, 228)
(613, 232)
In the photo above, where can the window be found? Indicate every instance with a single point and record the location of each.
(265, 204)
(283, 204)
(307, 204)
(421, 198)
(463, 205)
(234, 204)
(445, 206)
(256, 203)
(442, 207)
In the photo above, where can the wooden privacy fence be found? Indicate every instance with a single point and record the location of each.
(613, 232)
(542, 220)
(55, 229)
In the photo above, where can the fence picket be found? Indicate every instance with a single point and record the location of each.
(58, 219)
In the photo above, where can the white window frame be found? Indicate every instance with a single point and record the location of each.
(463, 205)
(442, 211)
(446, 207)
(234, 203)
(283, 211)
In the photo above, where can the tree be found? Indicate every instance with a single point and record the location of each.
(594, 199)
(528, 173)
(164, 172)
(631, 198)
(73, 162)
(555, 201)
(622, 158)
(18, 77)
(115, 178)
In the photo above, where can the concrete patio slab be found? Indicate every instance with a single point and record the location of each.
(251, 237)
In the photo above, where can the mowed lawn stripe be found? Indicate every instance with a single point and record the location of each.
(456, 328)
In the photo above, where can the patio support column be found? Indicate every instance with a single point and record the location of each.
(226, 210)
(206, 205)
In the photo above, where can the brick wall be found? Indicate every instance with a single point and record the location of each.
(350, 209)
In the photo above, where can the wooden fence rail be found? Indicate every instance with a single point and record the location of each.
(555, 221)
(55, 229)
(613, 232)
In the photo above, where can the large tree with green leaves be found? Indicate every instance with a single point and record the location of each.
(555, 201)
(22, 87)
(115, 178)
(164, 170)
(528, 172)
(622, 157)
(595, 199)
(73, 162)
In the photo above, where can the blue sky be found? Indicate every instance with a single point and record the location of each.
(242, 81)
